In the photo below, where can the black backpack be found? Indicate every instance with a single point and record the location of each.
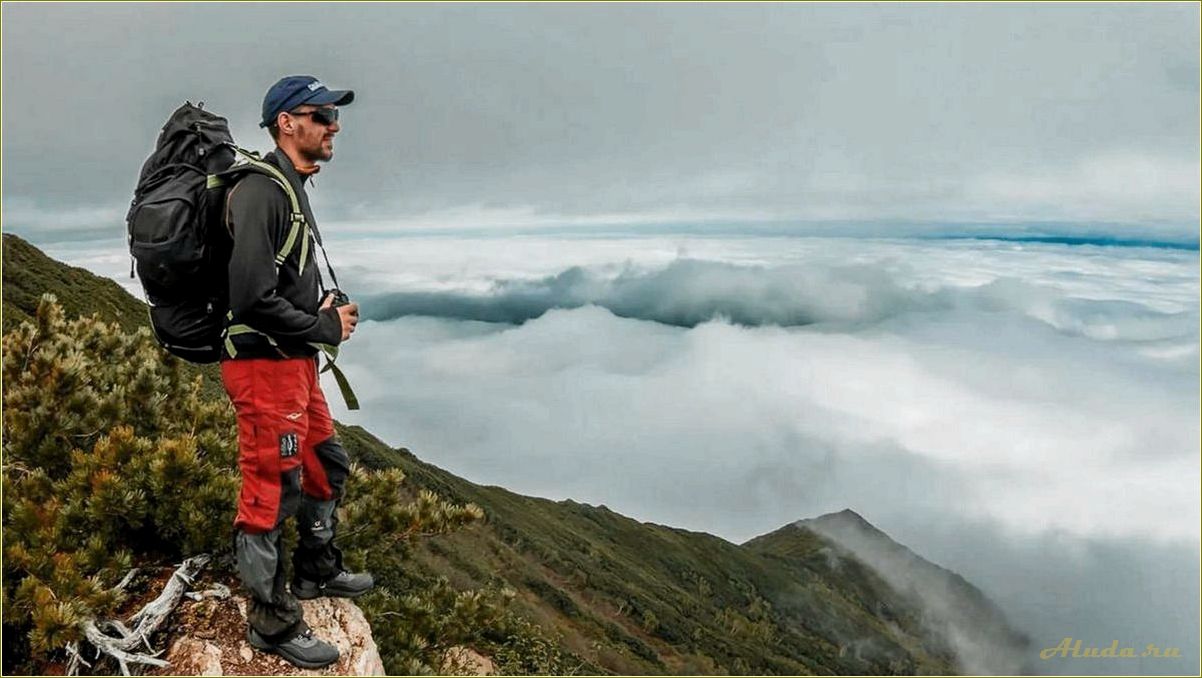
(180, 244)
(177, 237)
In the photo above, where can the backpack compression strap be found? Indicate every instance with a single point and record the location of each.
(299, 228)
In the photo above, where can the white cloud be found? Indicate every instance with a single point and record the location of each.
(1035, 430)
(487, 218)
(56, 220)
(1034, 396)
(585, 405)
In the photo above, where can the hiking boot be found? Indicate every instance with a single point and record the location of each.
(342, 585)
(301, 649)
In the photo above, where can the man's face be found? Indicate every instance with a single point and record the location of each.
(312, 139)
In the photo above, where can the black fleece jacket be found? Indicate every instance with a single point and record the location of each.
(284, 305)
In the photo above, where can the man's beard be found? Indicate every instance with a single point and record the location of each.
(318, 153)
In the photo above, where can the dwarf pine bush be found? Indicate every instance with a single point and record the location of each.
(113, 458)
(110, 456)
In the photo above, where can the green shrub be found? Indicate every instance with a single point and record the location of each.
(112, 458)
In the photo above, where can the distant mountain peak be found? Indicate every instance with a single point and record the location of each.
(845, 516)
(984, 640)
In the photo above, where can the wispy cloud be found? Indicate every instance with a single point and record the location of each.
(56, 222)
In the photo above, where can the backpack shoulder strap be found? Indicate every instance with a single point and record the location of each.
(299, 226)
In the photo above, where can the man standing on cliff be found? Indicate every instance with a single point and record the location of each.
(292, 463)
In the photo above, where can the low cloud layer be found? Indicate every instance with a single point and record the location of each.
(689, 292)
(991, 417)
(1024, 414)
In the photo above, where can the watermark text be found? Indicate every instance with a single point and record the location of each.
(1076, 649)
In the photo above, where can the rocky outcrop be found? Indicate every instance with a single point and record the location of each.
(210, 640)
(464, 661)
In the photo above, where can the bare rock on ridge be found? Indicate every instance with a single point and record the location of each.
(210, 640)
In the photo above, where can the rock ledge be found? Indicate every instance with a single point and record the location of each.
(209, 639)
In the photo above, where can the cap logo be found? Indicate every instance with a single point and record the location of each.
(315, 85)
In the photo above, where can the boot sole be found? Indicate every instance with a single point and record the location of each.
(326, 593)
(271, 649)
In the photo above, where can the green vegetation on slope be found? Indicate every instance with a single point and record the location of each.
(982, 638)
(640, 598)
(29, 273)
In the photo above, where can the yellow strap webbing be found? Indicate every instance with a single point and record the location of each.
(344, 386)
(290, 242)
(331, 353)
(305, 247)
(278, 176)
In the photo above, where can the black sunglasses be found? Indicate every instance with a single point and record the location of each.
(321, 116)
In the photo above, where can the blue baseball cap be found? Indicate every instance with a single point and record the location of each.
(295, 90)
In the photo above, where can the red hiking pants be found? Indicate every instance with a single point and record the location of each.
(282, 418)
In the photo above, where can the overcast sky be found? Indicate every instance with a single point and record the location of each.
(470, 114)
(919, 383)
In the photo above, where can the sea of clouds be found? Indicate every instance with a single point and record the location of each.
(1025, 414)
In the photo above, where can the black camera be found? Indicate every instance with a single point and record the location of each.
(340, 298)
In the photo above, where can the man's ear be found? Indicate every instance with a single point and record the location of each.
(285, 123)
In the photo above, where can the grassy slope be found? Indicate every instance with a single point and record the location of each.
(626, 596)
(593, 576)
(28, 273)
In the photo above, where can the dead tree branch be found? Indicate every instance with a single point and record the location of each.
(122, 646)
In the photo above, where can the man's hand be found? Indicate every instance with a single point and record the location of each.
(347, 313)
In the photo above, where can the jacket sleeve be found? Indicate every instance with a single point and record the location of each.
(258, 214)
